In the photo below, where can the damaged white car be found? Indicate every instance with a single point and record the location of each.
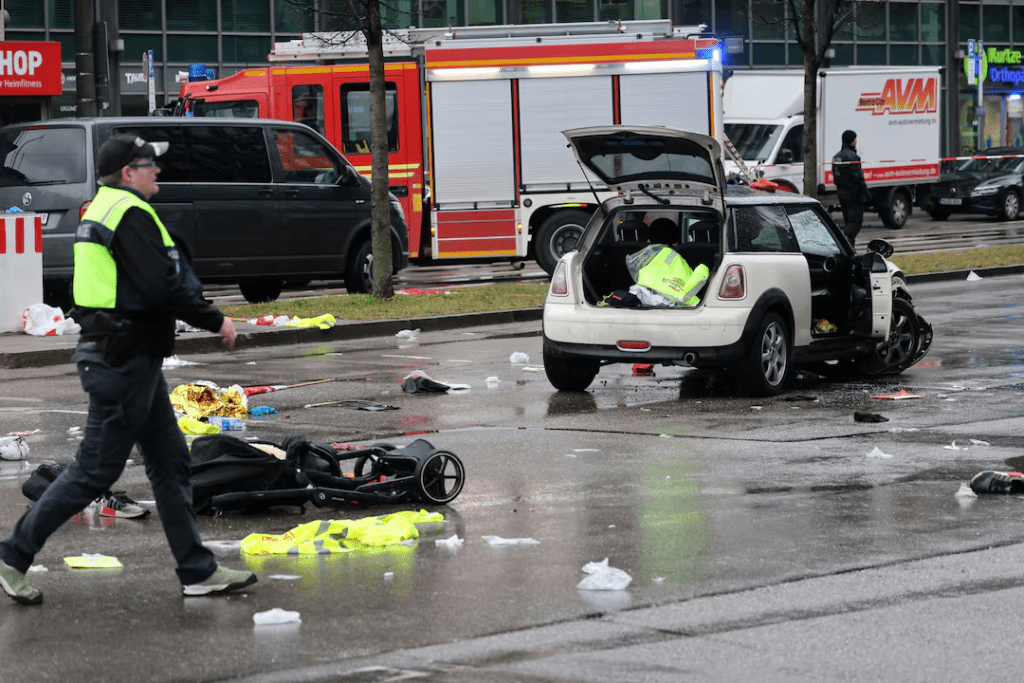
(678, 269)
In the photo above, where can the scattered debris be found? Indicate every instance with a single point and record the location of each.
(41, 320)
(324, 537)
(965, 491)
(203, 399)
(800, 397)
(451, 542)
(518, 358)
(408, 334)
(498, 540)
(92, 561)
(275, 616)
(869, 417)
(267, 388)
(973, 277)
(13, 448)
(643, 369)
(30, 433)
(899, 395)
(878, 453)
(418, 382)
(175, 362)
(603, 578)
(259, 411)
(978, 442)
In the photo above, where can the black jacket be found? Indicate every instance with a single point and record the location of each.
(849, 177)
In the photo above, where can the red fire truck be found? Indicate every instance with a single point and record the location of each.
(474, 116)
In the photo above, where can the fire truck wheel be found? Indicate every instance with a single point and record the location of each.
(558, 235)
(359, 276)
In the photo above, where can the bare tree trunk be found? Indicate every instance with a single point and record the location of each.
(810, 100)
(383, 283)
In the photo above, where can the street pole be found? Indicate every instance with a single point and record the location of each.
(85, 63)
(980, 49)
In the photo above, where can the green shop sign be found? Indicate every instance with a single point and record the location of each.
(999, 66)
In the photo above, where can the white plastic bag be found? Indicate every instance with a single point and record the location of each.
(603, 578)
(13, 448)
(41, 320)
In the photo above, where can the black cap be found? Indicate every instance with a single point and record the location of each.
(121, 150)
(848, 136)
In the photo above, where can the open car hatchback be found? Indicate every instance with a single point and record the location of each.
(678, 269)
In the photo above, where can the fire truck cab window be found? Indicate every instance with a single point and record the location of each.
(233, 109)
(355, 117)
(308, 106)
(304, 159)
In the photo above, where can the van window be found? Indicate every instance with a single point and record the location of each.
(227, 154)
(33, 156)
(355, 117)
(308, 106)
(304, 159)
(174, 163)
(232, 109)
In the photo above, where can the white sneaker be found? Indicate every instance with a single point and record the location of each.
(221, 581)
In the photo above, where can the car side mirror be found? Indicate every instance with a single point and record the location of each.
(785, 156)
(348, 176)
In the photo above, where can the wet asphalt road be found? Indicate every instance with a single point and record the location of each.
(763, 542)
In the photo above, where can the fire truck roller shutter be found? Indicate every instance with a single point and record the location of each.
(668, 99)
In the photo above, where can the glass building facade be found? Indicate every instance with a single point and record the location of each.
(228, 35)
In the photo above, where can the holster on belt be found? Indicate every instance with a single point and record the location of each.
(115, 336)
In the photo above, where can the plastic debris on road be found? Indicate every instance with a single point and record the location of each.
(899, 395)
(643, 369)
(868, 417)
(325, 537)
(41, 320)
(492, 381)
(92, 561)
(13, 448)
(408, 334)
(275, 616)
(518, 358)
(25, 433)
(190, 425)
(259, 411)
(979, 442)
(878, 453)
(274, 320)
(175, 362)
(498, 540)
(965, 491)
(418, 382)
(973, 277)
(451, 542)
(227, 424)
(203, 399)
(603, 578)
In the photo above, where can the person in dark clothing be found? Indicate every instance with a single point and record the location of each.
(852, 190)
(130, 284)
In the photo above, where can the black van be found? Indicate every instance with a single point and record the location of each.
(255, 202)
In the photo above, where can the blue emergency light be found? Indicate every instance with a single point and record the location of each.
(196, 72)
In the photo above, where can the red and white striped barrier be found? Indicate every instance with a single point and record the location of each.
(21, 266)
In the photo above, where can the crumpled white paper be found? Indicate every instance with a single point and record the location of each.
(519, 358)
(603, 578)
(877, 453)
(498, 540)
(275, 616)
(13, 448)
(408, 334)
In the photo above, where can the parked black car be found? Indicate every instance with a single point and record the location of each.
(992, 185)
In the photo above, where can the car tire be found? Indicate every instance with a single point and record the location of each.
(558, 234)
(895, 215)
(359, 275)
(939, 214)
(899, 351)
(567, 372)
(1010, 208)
(768, 367)
(260, 291)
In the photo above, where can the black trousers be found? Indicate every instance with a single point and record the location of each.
(853, 216)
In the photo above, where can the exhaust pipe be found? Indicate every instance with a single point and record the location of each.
(689, 358)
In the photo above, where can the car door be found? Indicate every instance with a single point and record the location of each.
(324, 201)
(235, 201)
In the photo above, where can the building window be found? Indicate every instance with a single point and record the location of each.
(970, 24)
(139, 14)
(844, 54)
(903, 55)
(656, 9)
(933, 23)
(870, 21)
(614, 10)
(903, 21)
(291, 19)
(397, 14)
(135, 44)
(192, 49)
(62, 13)
(868, 53)
(768, 22)
(251, 16)
(486, 12)
(246, 49)
(437, 13)
(25, 13)
(769, 54)
(731, 16)
(933, 55)
(191, 15)
(996, 22)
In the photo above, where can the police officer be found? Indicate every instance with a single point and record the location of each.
(130, 285)
(853, 191)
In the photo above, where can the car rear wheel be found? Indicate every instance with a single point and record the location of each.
(769, 363)
(567, 372)
(558, 235)
(1011, 206)
(260, 291)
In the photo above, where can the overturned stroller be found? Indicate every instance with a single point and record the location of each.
(230, 474)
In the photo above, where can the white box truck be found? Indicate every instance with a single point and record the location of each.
(893, 110)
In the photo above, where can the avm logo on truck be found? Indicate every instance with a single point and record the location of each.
(901, 96)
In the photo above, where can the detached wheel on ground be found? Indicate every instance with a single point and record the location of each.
(359, 276)
(260, 291)
(439, 478)
(767, 369)
(895, 215)
(567, 372)
(558, 235)
(899, 350)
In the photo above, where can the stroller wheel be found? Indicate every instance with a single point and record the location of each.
(439, 477)
(320, 498)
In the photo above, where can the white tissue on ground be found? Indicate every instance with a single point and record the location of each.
(275, 616)
(603, 578)
(965, 491)
(877, 453)
(519, 358)
(451, 542)
(498, 540)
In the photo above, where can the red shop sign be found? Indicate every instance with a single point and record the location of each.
(31, 69)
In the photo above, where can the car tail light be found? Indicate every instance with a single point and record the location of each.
(81, 211)
(734, 284)
(560, 280)
(634, 346)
